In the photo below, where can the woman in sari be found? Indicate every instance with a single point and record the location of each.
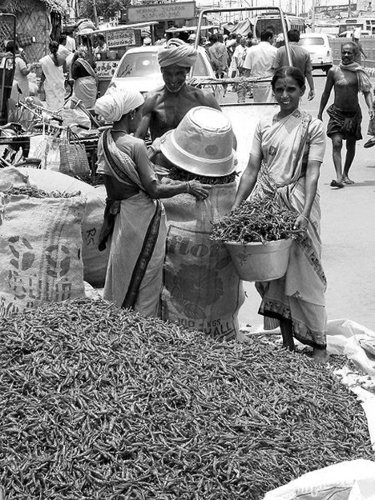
(284, 163)
(134, 217)
(53, 78)
(85, 86)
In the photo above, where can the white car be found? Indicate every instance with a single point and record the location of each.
(139, 68)
(320, 51)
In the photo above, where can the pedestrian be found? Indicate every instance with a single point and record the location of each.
(70, 43)
(85, 86)
(53, 79)
(218, 56)
(134, 216)
(300, 59)
(20, 87)
(284, 164)
(259, 64)
(164, 109)
(360, 52)
(347, 80)
(100, 49)
(239, 57)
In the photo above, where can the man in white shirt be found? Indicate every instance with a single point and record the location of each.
(259, 63)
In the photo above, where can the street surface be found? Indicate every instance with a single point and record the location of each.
(348, 233)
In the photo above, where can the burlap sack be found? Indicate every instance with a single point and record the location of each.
(40, 251)
(94, 262)
(202, 290)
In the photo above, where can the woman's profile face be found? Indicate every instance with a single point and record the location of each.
(288, 93)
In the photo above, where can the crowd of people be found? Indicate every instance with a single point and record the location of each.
(284, 162)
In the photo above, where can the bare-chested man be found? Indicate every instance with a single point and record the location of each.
(164, 109)
(347, 80)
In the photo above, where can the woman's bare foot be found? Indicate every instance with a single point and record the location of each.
(320, 355)
(345, 179)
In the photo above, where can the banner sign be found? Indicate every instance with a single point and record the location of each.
(160, 12)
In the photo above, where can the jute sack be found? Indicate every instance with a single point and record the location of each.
(94, 261)
(201, 288)
(40, 251)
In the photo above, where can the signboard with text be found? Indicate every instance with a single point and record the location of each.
(106, 69)
(120, 38)
(160, 12)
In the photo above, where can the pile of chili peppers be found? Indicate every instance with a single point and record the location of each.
(35, 192)
(256, 221)
(100, 403)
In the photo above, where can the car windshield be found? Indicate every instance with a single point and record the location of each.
(145, 64)
(139, 64)
(311, 41)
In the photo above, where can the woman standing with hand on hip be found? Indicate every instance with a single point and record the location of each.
(284, 164)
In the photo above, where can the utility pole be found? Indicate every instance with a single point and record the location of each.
(313, 16)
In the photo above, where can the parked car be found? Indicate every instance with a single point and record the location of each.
(139, 68)
(320, 51)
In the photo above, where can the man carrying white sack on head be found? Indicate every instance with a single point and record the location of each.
(164, 109)
(134, 218)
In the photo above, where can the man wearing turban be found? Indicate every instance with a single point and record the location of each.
(164, 109)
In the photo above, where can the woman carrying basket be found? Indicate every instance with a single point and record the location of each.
(134, 216)
(284, 163)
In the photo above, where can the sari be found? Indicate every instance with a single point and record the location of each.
(85, 88)
(285, 147)
(138, 233)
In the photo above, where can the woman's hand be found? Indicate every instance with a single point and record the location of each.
(301, 222)
(154, 149)
(200, 191)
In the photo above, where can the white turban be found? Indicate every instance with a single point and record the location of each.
(178, 52)
(118, 102)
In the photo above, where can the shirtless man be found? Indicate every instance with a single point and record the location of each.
(347, 80)
(164, 109)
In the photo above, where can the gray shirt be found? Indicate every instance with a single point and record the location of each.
(300, 58)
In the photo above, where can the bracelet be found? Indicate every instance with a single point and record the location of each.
(188, 187)
(304, 216)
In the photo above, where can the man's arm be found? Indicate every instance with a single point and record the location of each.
(326, 92)
(370, 103)
(277, 64)
(309, 77)
(209, 100)
(147, 110)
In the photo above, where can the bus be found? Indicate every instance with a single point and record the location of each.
(273, 22)
(364, 23)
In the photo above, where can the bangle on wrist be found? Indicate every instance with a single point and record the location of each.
(188, 187)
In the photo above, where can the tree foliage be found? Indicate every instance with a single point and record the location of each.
(104, 8)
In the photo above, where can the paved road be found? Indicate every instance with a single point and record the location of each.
(348, 234)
